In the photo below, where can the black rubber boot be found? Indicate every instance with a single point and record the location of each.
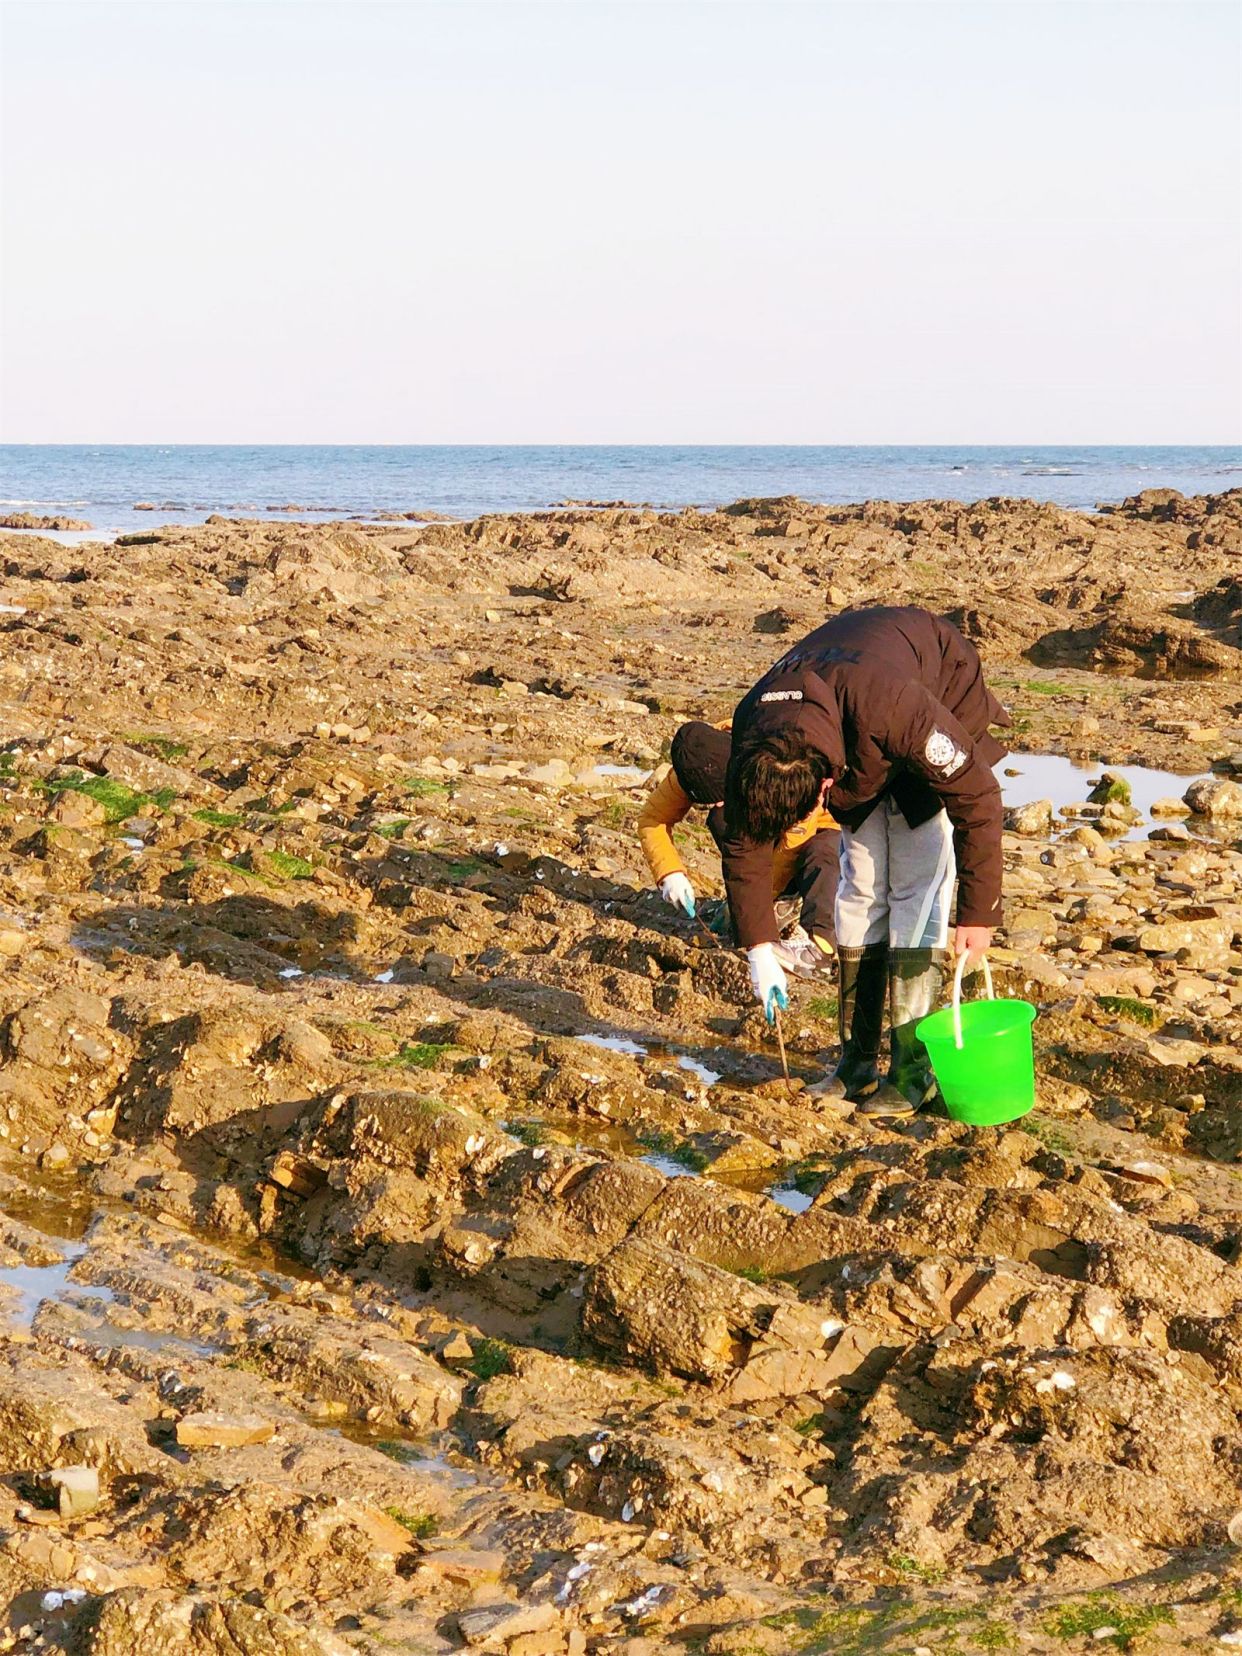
(862, 985)
(915, 980)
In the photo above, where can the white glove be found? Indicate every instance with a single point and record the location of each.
(767, 979)
(677, 890)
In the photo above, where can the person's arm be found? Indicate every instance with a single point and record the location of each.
(926, 737)
(666, 805)
(748, 881)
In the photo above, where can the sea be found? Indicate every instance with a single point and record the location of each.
(112, 486)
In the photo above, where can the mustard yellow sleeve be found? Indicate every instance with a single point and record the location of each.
(667, 803)
(785, 857)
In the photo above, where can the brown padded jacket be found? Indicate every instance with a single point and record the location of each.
(668, 803)
(895, 701)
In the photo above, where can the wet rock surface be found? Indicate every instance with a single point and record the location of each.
(407, 1241)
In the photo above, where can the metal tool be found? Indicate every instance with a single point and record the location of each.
(780, 1041)
(707, 931)
(780, 1033)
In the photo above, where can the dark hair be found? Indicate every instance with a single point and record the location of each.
(700, 757)
(771, 785)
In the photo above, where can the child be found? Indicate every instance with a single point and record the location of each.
(804, 866)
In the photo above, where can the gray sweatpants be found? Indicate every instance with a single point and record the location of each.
(896, 882)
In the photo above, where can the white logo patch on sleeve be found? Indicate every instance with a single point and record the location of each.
(943, 754)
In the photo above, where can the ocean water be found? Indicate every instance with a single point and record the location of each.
(185, 484)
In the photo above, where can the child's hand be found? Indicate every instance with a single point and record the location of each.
(677, 890)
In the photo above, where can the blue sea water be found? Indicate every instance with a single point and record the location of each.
(187, 483)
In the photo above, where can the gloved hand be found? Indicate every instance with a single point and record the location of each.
(677, 890)
(767, 979)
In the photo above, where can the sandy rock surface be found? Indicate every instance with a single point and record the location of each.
(402, 1216)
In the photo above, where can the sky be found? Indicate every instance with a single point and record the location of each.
(609, 221)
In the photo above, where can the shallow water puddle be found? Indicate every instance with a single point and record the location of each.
(437, 1457)
(62, 1212)
(709, 1077)
(614, 1043)
(684, 1060)
(110, 1336)
(1069, 781)
(36, 1283)
(786, 1196)
(615, 1140)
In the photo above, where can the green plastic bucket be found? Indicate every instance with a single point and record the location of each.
(982, 1055)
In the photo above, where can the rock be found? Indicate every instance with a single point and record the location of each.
(1169, 1052)
(13, 941)
(681, 1315)
(495, 1624)
(1040, 923)
(464, 1563)
(154, 776)
(1206, 937)
(29, 520)
(296, 1174)
(75, 1488)
(1110, 789)
(72, 809)
(208, 1429)
(1214, 796)
(1034, 819)
(1148, 1172)
(157, 1622)
(1170, 808)
(65, 1026)
(1117, 814)
(551, 774)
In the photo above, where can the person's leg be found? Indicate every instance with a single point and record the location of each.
(861, 925)
(861, 917)
(805, 908)
(920, 892)
(816, 881)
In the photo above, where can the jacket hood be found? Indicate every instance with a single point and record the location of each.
(797, 700)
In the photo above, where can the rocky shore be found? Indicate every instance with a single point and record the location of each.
(407, 1241)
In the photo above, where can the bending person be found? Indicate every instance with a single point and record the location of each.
(882, 714)
(804, 864)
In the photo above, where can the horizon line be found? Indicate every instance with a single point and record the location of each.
(359, 443)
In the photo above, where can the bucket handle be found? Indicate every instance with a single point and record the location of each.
(957, 994)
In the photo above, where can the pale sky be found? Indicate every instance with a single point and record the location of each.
(621, 222)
